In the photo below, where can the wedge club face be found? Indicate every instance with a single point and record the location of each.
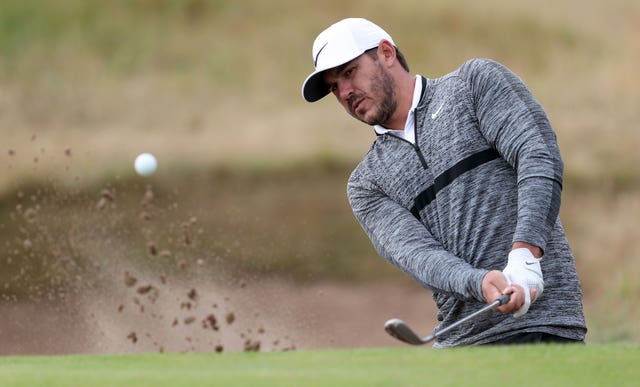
(401, 331)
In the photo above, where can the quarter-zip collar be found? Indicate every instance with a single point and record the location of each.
(408, 133)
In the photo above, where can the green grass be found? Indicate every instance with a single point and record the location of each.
(590, 365)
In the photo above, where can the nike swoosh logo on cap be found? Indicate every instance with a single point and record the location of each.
(530, 263)
(315, 62)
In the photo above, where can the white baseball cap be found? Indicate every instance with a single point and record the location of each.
(337, 45)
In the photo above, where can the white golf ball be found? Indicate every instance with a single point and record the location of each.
(145, 164)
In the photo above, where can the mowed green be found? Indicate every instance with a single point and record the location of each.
(548, 365)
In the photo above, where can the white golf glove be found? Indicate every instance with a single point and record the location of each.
(524, 269)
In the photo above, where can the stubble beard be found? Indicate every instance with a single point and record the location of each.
(382, 87)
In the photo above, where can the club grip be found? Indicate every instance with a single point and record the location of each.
(503, 299)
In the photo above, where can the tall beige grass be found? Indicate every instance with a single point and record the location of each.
(203, 81)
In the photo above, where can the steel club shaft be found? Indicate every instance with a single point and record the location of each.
(400, 330)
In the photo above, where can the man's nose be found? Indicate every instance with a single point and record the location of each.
(345, 89)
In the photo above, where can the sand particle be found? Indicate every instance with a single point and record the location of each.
(129, 280)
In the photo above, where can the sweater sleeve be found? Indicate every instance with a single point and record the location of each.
(515, 124)
(406, 243)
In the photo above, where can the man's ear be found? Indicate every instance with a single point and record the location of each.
(387, 52)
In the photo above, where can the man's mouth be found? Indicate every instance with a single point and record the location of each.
(356, 104)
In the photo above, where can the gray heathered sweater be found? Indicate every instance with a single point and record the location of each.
(485, 172)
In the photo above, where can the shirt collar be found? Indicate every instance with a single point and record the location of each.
(417, 93)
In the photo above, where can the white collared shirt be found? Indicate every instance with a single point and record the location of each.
(409, 132)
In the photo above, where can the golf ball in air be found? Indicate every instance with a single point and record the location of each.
(145, 164)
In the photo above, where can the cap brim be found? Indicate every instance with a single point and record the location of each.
(314, 88)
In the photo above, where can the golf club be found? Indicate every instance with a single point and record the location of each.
(401, 331)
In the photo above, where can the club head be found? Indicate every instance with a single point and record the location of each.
(401, 331)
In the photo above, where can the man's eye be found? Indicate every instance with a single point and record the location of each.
(348, 72)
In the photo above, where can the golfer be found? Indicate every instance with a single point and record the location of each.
(461, 187)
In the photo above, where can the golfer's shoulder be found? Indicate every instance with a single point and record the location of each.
(471, 73)
(364, 174)
(479, 68)
(479, 65)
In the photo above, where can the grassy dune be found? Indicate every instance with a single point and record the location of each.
(213, 89)
(203, 82)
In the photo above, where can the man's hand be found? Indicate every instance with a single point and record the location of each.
(495, 284)
(523, 269)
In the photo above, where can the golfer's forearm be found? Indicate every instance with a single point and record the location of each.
(538, 207)
(443, 272)
(433, 267)
(406, 243)
(418, 254)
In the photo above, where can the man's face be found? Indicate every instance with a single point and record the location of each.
(364, 88)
